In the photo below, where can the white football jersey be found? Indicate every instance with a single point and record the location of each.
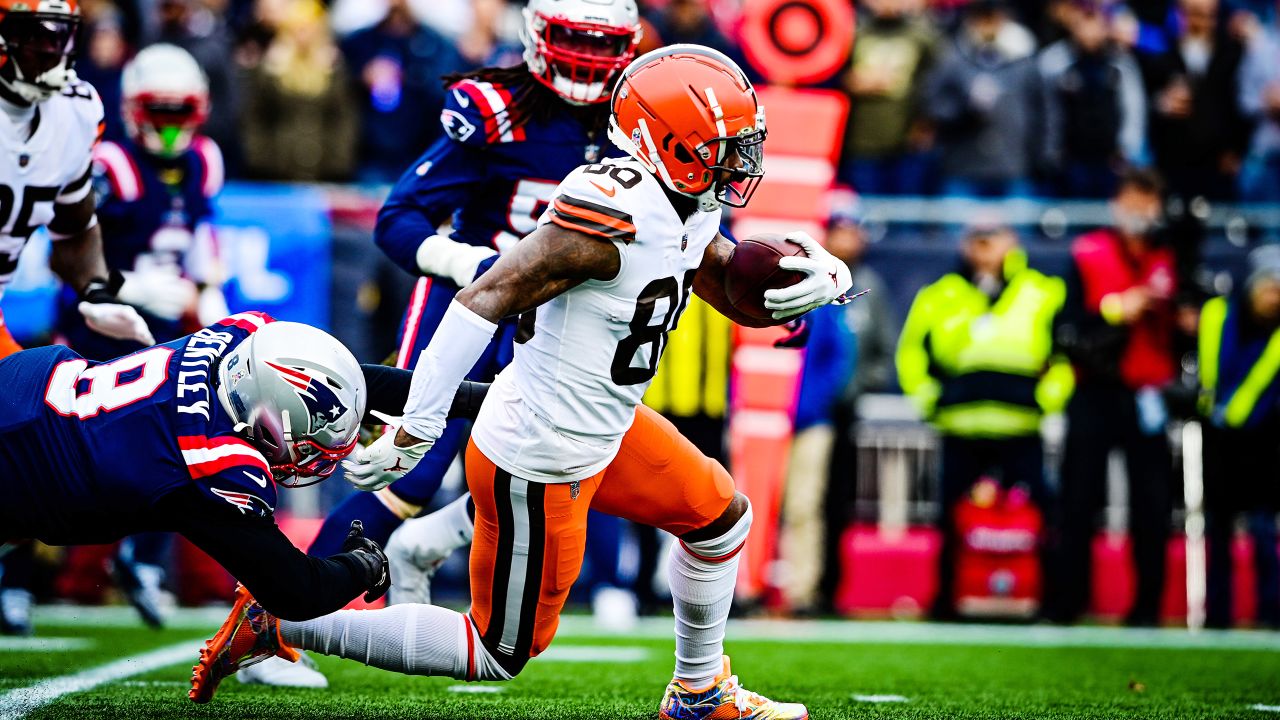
(51, 167)
(584, 360)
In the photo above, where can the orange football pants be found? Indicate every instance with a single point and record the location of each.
(530, 536)
(8, 345)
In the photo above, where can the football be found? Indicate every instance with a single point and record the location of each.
(753, 269)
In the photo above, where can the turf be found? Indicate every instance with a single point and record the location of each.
(978, 680)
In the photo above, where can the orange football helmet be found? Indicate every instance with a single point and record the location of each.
(689, 115)
(37, 47)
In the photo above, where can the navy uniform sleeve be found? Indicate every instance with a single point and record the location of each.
(440, 181)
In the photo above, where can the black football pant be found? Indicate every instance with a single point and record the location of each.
(1102, 416)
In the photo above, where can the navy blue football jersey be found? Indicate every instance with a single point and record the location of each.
(491, 177)
(87, 448)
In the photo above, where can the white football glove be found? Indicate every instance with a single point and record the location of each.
(212, 305)
(117, 321)
(828, 282)
(164, 294)
(383, 462)
(448, 258)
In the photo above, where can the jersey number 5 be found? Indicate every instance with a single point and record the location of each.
(106, 387)
(642, 333)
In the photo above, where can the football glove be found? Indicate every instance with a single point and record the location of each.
(166, 295)
(369, 553)
(828, 280)
(447, 258)
(104, 314)
(383, 462)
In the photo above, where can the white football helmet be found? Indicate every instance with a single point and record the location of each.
(37, 47)
(298, 395)
(578, 47)
(166, 99)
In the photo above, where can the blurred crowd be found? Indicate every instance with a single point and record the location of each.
(985, 97)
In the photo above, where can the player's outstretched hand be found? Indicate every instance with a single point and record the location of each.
(828, 280)
(370, 554)
(164, 294)
(117, 321)
(383, 462)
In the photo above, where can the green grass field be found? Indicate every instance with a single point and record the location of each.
(840, 669)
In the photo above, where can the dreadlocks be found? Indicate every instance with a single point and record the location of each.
(531, 101)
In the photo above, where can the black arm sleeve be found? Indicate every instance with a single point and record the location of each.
(389, 391)
(287, 582)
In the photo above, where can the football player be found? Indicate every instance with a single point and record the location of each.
(511, 135)
(48, 127)
(194, 436)
(597, 288)
(155, 193)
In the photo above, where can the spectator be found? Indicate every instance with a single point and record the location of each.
(299, 117)
(690, 21)
(1198, 134)
(1118, 329)
(205, 35)
(872, 321)
(976, 358)
(1260, 102)
(1095, 106)
(1239, 370)
(399, 64)
(886, 134)
(984, 100)
(103, 62)
(483, 44)
(828, 364)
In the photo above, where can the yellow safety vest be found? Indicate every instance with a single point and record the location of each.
(693, 375)
(1234, 407)
(981, 369)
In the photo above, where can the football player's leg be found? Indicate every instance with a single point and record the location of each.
(661, 479)
(418, 548)
(139, 568)
(527, 552)
(16, 568)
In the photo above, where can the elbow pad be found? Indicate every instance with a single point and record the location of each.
(447, 258)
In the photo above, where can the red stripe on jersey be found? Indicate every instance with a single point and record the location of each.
(517, 133)
(251, 321)
(207, 456)
(122, 173)
(413, 321)
(474, 92)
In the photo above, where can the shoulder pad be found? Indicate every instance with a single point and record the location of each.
(209, 157)
(478, 113)
(112, 161)
(591, 200)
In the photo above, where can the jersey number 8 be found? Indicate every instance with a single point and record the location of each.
(111, 386)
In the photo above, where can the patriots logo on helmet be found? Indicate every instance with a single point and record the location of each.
(321, 401)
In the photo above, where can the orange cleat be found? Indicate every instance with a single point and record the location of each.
(249, 635)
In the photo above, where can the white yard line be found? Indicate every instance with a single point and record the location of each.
(44, 644)
(1265, 708)
(475, 689)
(594, 654)
(15, 704)
(881, 698)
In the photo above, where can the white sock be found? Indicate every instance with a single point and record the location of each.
(703, 576)
(457, 516)
(410, 639)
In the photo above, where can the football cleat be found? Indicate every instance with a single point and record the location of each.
(278, 672)
(141, 584)
(249, 635)
(725, 699)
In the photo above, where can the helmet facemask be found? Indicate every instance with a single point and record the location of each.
(38, 54)
(580, 61)
(165, 125)
(736, 163)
